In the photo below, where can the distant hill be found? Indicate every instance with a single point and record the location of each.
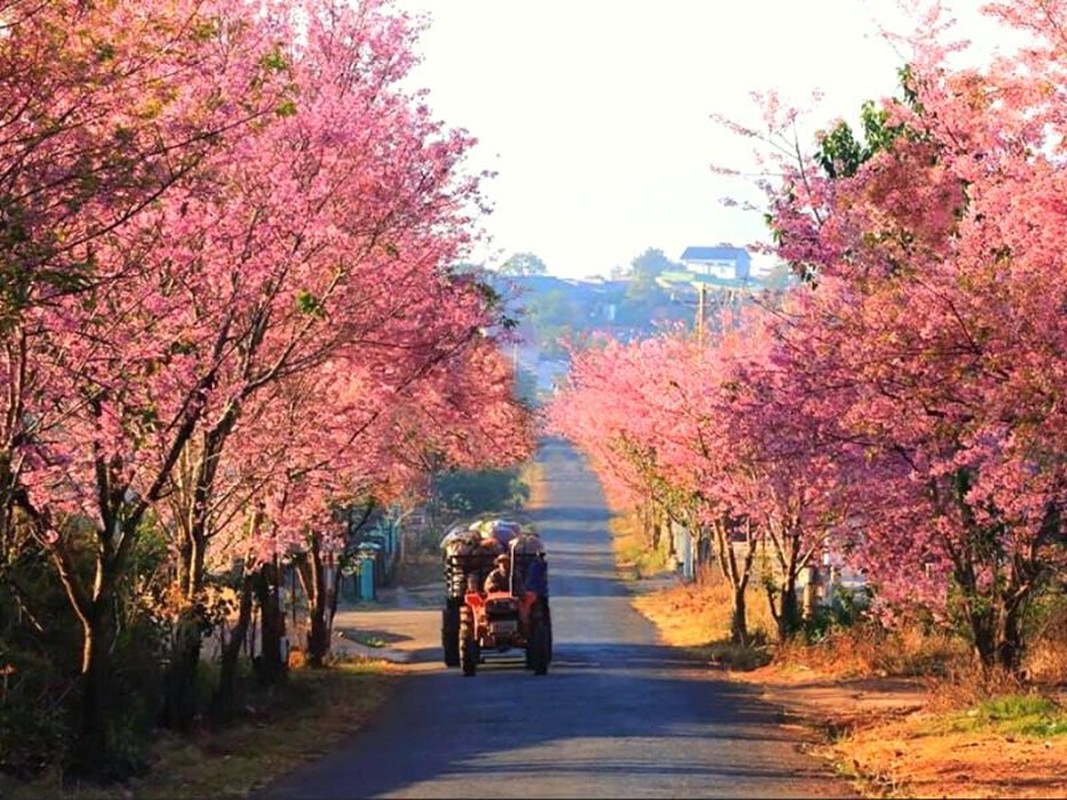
(655, 292)
(553, 310)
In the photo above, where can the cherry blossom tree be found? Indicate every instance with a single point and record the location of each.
(109, 108)
(718, 425)
(326, 245)
(935, 330)
(310, 236)
(605, 391)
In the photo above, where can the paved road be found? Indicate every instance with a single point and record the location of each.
(617, 716)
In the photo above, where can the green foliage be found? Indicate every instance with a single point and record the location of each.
(367, 641)
(644, 270)
(841, 153)
(847, 608)
(553, 308)
(203, 30)
(652, 262)
(40, 643)
(1031, 715)
(523, 264)
(34, 723)
(465, 492)
(105, 52)
(275, 60)
(309, 304)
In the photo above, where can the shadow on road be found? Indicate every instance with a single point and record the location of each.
(492, 726)
(617, 716)
(572, 514)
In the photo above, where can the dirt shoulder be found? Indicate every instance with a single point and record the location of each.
(891, 736)
(886, 734)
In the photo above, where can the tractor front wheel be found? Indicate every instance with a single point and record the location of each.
(450, 634)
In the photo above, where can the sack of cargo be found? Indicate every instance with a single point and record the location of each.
(462, 543)
(501, 530)
(528, 543)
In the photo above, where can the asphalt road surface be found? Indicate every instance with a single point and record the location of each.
(618, 715)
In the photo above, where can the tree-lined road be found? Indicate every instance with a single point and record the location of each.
(618, 715)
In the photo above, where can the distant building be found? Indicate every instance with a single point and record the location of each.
(723, 269)
(722, 261)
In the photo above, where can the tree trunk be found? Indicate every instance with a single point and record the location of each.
(91, 754)
(334, 589)
(180, 700)
(224, 700)
(997, 635)
(271, 661)
(789, 618)
(739, 618)
(313, 579)
(736, 573)
(657, 530)
(1010, 645)
(180, 706)
(983, 636)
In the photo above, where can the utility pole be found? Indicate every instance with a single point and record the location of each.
(701, 292)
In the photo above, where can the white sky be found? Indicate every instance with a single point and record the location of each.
(596, 113)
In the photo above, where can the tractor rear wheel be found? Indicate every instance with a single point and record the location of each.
(548, 628)
(537, 653)
(469, 651)
(450, 634)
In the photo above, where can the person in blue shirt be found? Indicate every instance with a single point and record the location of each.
(537, 575)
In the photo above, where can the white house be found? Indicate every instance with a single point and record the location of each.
(722, 261)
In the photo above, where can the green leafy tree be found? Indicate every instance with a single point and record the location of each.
(644, 271)
(473, 492)
(523, 264)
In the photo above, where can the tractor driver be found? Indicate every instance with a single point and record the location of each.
(498, 579)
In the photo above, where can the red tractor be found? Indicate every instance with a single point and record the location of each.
(474, 620)
(502, 621)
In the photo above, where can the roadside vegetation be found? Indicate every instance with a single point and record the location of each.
(278, 730)
(943, 727)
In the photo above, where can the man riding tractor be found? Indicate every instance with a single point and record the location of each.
(504, 615)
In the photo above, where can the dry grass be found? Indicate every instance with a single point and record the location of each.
(1046, 660)
(697, 617)
(1012, 746)
(978, 733)
(866, 649)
